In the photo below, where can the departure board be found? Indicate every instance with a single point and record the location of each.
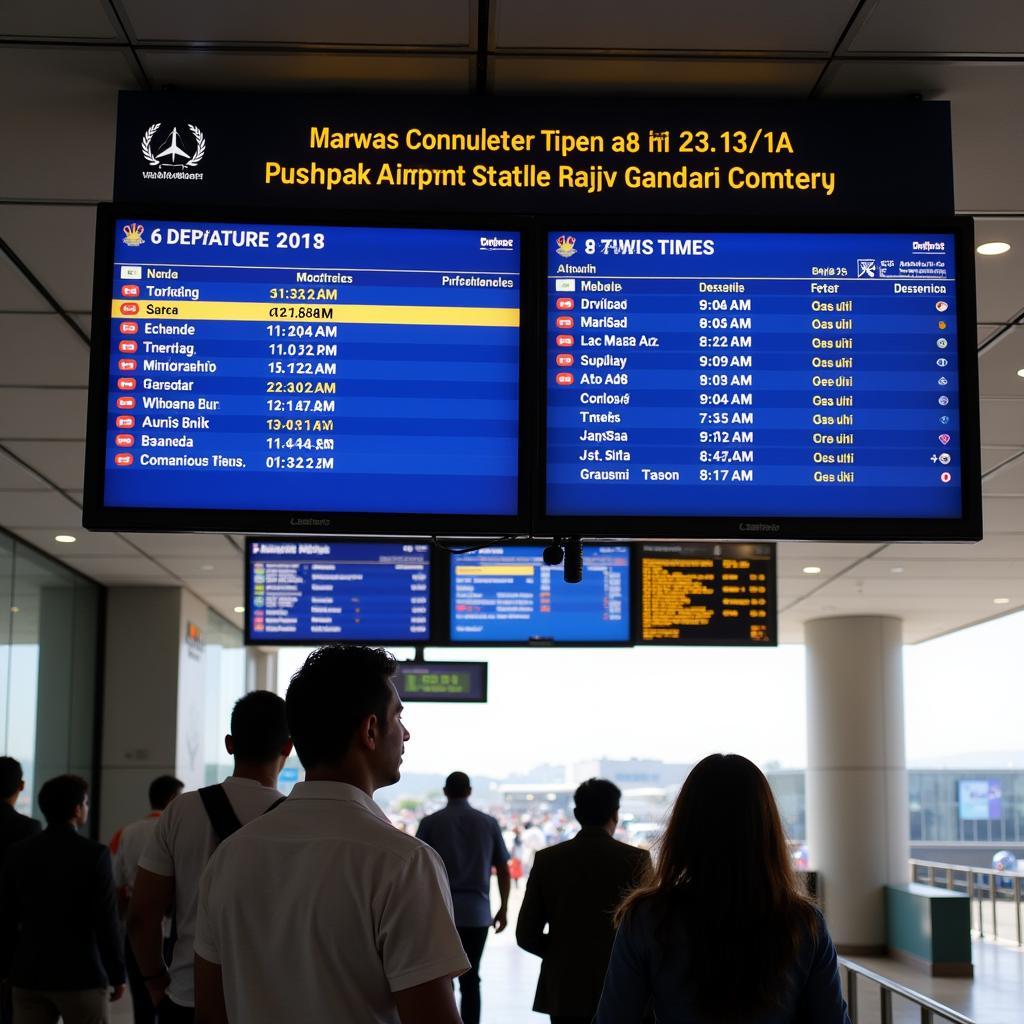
(308, 591)
(753, 376)
(703, 593)
(316, 369)
(507, 595)
(442, 682)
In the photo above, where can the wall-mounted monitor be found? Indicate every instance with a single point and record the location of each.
(297, 374)
(704, 593)
(506, 594)
(311, 591)
(442, 682)
(980, 799)
(777, 381)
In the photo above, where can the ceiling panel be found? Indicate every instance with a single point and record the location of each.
(997, 546)
(56, 243)
(184, 545)
(61, 462)
(63, 121)
(15, 477)
(40, 348)
(1004, 513)
(999, 363)
(42, 413)
(387, 23)
(922, 593)
(940, 26)
(221, 568)
(1008, 479)
(87, 545)
(994, 456)
(16, 294)
(43, 509)
(921, 569)
(1002, 422)
(1000, 279)
(986, 331)
(735, 25)
(624, 76)
(84, 20)
(122, 571)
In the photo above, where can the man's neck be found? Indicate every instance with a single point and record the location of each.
(264, 773)
(351, 774)
(11, 800)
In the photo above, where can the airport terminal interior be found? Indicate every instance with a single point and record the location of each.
(879, 689)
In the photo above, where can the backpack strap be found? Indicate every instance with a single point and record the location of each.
(277, 803)
(220, 812)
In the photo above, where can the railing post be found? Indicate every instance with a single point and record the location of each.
(885, 1005)
(949, 878)
(981, 905)
(851, 994)
(931, 874)
(926, 1015)
(1016, 908)
(994, 891)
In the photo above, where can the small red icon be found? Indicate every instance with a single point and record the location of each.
(129, 308)
(124, 459)
(564, 322)
(124, 440)
(127, 346)
(126, 383)
(564, 359)
(124, 422)
(130, 291)
(564, 379)
(564, 341)
(130, 327)
(565, 303)
(125, 402)
(946, 477)
(127, 365)
(944, 438)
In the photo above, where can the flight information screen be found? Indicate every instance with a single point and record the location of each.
(442, 682)
(752, 374)
(508, 595)
(311, 591)
(692, 593)
(282, 367)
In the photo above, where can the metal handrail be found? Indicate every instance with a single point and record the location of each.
(978, 881)
(930, 1009)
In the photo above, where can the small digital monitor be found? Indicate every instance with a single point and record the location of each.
(761, 384)
(507, 595)
(295, 377)
(980, 799)
(311, 591)
(705, 593)
(442, 682)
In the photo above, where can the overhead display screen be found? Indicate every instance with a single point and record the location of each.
(442, 682)
(694, 593)
(980, 799)
(307, 591)
(507, 595)
(760, 380)
(336, 371)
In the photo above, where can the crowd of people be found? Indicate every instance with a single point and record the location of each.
(241, 905)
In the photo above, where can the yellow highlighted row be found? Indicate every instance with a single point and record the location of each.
(494, 570)
(298, 312)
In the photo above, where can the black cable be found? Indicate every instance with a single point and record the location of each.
(573, 560)
(476, 547)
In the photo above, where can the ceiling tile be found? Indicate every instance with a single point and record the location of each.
(15, 477)
(1000, 279)
(997, 546)
(1004, 514)
(1007, 480)
(61, 462)
(994, 456)
(42, 413)
(223, 568)
(44, 509)
(16, 294)
(808, 26)
(84, 20)
(56, 243)
(120, 571)
(922, 569)
(1002, 422)
(185, 545)
(986, 331)
(998, 366)
(40, 348)
(87, 544)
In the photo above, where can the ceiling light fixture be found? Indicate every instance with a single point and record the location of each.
(239, 608)
(15, 609)
(1000, 600)
(896, 568)
(65, 538)
(206, 568)
(812, 570)
(993, 248)
(1020, 372)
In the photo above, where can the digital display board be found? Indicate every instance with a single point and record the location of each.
(314, 376)
(980, 799)
(507, 595)
(311, 591)
(704, 593)
(761, 383)
(442, 682)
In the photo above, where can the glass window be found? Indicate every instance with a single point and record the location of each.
(224, 656)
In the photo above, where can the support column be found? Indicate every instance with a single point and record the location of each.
(858, 830)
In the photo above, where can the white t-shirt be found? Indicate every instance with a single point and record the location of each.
(321, 909)
(179, 848)
(131, 841)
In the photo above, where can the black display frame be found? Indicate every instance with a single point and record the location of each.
(686, 640)
(967, 527)
(97, 515)
(480, 666)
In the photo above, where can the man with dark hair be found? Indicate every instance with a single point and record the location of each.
(13, 826)
(60, 941)
(470, 844)
(354, 918)
(185, 837)
(573, 889)
(126, 847)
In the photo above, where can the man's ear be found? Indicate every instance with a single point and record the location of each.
(229, 744)
(21, 786)
(369, 732)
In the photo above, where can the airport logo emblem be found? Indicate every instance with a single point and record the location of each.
(566, 246)
(133, 234)
(172, 155)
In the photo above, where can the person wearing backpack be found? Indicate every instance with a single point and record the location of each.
(186, 836)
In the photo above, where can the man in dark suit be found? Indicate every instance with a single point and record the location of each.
(13, 826)
(60, 940)
(573, 889)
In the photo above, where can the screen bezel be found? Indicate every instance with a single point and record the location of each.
(252, 640)
(480, 666)
(97, 515)
(686, 640)
(966, 527)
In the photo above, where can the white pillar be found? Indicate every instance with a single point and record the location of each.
(858, 830)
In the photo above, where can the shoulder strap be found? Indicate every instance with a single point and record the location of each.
(220, 812)
(277, 803)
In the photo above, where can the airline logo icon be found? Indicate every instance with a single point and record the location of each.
(946, 477)
(565, 246)
(564, 379)
(125, 402)
(133, 234)
(124, 459)
(565, 284)
(130, 327)
(125, 383)
(944, 438)
(129, 308)
(127, 346)
(131, 273)
(564, 359)
(130, 291)
(565, 303)
(124, 440)
(124, 422)
(564, 341)
(564, 322)
(127, 365)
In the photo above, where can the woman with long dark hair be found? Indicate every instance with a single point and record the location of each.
(720, 932)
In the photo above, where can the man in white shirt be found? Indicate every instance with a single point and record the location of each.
(321, 910)
(185, 837)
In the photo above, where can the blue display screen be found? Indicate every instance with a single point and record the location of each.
(446, 682)
(276, 367)
(508, 595)
(315, 591)
(736, 374)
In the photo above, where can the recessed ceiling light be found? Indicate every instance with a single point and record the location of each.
(896, 568)
(1020, 372)
(239, 608)
(15, 609)
(993, 248)
(65, 538)
(206, 568)
(1000, 600)
(812, 570)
